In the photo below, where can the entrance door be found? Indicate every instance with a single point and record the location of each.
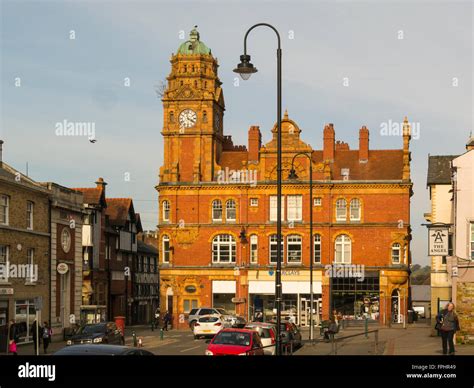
(305, 311)
(3, 326)
(396, 316)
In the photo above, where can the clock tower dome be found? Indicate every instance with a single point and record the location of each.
(193, 110)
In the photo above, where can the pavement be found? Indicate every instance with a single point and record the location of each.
(415, 339)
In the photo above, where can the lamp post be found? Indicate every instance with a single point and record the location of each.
(293, 175)
(246, 69)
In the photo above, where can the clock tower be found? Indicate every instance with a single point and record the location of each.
(193, 110)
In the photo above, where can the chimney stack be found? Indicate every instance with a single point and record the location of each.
(255, 142)
(328, 143)
(101, 183)
(363, 144)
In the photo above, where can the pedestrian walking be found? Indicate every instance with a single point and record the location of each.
(447, 323)
(47, 334)
(13, 337)
(12, 349)
(166, 320)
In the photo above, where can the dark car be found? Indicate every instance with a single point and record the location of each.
(97, 333)
(101, 350)
(290, 335)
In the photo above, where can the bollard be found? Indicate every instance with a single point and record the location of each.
(134, 336)
(140, 342)
(366, 327)
(161, 334)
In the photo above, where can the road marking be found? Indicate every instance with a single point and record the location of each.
(187, 350)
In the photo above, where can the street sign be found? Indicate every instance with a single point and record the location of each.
(39, 303)
(438, 238)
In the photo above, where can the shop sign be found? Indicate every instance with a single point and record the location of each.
(438, 238)
(6, 291)
(238, 300)
(62, 268)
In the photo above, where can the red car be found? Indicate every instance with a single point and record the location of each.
(235, 342)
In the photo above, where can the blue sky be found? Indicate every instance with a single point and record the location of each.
(323, 43)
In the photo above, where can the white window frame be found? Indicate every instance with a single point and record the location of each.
(254, 202)
(317, 243)
(230, 207)
(272, 248)
(166, 207)
(273, 208)
(294, 240)
(5, 205)
(396, 250)
(318, 201)
(221, 244)
(30, 260)
(30, 210)
(166, 252)
(355, 209)
(342, 242)
(216, 207)
(253, 249)
(295, 207)
(341, 209)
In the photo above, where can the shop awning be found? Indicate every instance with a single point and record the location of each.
(268, 287)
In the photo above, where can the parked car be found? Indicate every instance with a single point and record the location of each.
(101, 350)
(290, 334)
(209, 325)
(267, 333)
(235, 342)
(97, 333)
(235, 320)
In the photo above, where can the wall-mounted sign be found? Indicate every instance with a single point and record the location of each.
(190, 289)
(438, 238)
(6, 291)
(62, 268)
(238, 300)
(454, 272)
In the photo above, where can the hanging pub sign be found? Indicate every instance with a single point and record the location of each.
(438, 241)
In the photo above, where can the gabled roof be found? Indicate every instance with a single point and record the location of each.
(439, 169)
(118, 210)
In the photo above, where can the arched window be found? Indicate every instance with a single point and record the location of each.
(293, 249)
(396, 253)
(166, 248)
(341, 210)
(217, 210)
(343, 249)
(355, 209)
(171, 117)
(204, 117)
(166, 210)
(273, 249)
(230, 210)
(253, 249)
(223, 249)
(317, 248)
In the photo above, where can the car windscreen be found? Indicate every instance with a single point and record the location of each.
(232, 338)
(90, 329)
(208, 319)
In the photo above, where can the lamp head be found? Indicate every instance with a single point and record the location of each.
(292, 175)
(245, 68)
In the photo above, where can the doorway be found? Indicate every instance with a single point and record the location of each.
(305, 311)
(396, 316)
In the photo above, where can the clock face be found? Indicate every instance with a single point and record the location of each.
(187, 118)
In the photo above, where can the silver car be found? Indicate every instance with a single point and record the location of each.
(234, 320)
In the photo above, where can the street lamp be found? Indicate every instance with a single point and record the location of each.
(246, 69)
(294, 176)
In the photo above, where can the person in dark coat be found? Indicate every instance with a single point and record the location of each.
(166, 320)
(47, 334)
(448, 324)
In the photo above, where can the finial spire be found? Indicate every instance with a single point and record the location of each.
(285, 116)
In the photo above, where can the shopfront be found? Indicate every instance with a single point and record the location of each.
(356, 298)
(296, 298)
(223, 291)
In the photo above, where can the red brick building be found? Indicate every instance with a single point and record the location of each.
(217, 217)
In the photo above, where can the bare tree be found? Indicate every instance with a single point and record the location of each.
(160, 89)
